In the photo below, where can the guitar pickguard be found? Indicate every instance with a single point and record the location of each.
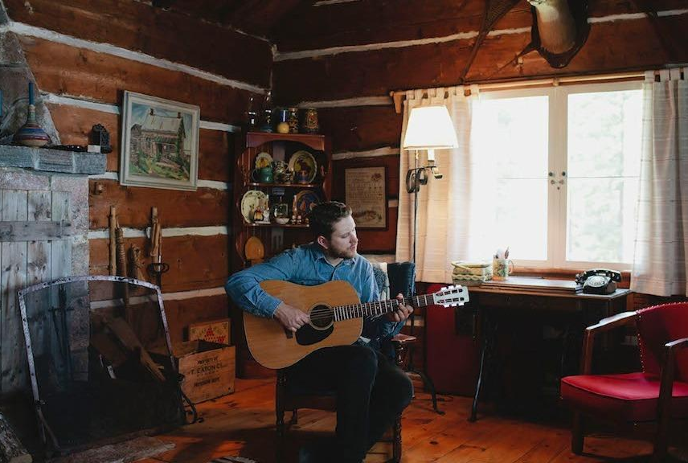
(307, 335)
(321, 326)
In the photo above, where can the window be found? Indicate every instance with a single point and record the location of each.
(565, 163)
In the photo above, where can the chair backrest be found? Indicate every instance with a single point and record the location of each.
(658, 325)
(402, 278)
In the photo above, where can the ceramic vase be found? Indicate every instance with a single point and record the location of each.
(31, 134)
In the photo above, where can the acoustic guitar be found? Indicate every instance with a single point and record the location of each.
(336, 318)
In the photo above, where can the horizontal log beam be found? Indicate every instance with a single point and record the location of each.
(168, 35)
(384, 241)
(611, 46)
(361, 128)
(369, 22)
(182, 313)
(176, 208)
(75, 124)
(62, 69)
(196, 262)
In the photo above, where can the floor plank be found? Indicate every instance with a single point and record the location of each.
(243, 424)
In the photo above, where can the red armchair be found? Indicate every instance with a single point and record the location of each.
(656, 394)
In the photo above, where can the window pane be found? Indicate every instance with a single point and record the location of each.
(512, 133)
(521, 222)
(604, 139)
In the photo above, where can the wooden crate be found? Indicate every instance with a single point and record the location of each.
(208, 369)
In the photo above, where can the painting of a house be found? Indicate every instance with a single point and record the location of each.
(160, 143)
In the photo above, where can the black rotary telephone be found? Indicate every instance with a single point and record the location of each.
(598, 281)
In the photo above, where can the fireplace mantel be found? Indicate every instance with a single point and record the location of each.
(52, 160)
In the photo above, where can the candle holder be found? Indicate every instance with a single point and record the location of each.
(31, 134)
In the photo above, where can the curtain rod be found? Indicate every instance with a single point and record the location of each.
(399, 95)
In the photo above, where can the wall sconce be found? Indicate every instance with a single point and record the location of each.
(429, 128)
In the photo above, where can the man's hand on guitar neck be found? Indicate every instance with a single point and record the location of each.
(402, 312)
(290, 317)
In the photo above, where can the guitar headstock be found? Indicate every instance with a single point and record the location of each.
(451, 296)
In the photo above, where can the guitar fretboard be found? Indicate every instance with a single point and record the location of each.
(373, 309)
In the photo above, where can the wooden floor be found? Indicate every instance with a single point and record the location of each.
(242, 424)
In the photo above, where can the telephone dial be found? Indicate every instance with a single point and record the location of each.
(598, 281)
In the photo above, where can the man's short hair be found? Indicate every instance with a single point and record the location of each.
(325, 215)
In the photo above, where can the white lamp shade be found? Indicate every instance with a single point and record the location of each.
(430, 127)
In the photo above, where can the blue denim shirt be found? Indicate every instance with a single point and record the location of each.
(305, 265)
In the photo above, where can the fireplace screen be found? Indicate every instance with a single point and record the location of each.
(99, 360)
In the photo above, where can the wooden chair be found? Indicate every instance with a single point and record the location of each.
(401, 280)
(655, 395)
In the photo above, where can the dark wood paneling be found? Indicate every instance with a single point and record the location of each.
(366, 22)
(383, 241)
(196, 262)
(182, 313)
(361, 128)
(252, 16)
(370, 73)
(162, 34)
(369, 21)
(62, 69)
(214, 158)
(74, 125)
(176, 208)
(611, 47)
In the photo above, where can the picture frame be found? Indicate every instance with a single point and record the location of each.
(159, 143)
(365, 192)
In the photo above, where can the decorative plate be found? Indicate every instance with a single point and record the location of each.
(263, 160)
(254, 249)
(251, 200)
(305, 201)
(303, 161)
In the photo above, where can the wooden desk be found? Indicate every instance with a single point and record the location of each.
(544, 299)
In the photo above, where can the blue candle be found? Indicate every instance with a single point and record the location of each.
(30, 92)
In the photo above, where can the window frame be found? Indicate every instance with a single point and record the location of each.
(557, 164)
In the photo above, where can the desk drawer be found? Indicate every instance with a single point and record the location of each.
(527, 302)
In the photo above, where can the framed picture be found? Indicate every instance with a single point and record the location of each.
(366, 195)
(159, 143)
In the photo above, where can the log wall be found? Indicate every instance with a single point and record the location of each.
(345, 58)
(84, 54)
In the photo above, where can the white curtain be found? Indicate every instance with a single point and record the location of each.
(661, 250)
(450, 223)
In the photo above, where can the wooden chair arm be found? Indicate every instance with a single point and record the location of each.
(403, 339)
(666, 385)
(677, 344)
(604, 325)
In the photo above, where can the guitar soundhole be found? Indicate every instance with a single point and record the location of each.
(321, 317)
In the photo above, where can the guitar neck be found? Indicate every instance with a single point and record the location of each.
(372, 309)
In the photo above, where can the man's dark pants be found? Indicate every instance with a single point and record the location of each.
(371, 391)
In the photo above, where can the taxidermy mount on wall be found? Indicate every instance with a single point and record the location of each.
(560, 28)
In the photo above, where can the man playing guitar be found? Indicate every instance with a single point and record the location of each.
(371, 390)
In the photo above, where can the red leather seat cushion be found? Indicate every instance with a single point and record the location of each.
(626, 397)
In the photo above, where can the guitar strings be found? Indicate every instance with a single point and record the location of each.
(388, 304)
